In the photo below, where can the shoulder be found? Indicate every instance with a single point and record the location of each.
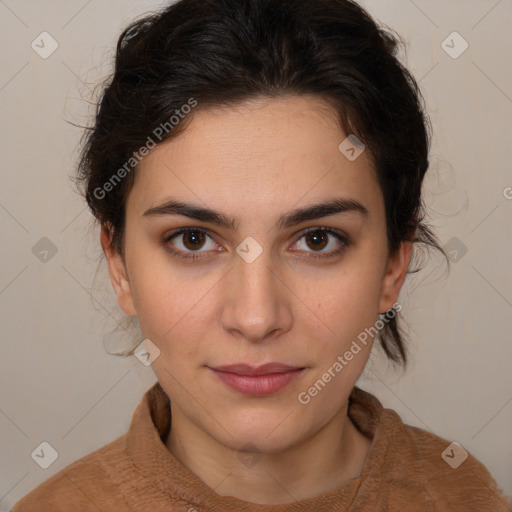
(443, 471)
(90, 483)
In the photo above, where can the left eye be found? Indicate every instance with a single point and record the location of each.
(318, 239)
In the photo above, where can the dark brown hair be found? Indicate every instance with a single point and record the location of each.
(223, 52)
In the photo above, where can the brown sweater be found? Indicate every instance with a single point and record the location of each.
(404, 471)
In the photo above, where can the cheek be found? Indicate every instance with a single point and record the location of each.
(157, 299)
(348, 307)
(348, 301)
(157, 275)
(174, 312)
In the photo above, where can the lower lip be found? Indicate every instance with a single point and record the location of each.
(257, 385)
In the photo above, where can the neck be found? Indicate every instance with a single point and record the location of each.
(334, 455)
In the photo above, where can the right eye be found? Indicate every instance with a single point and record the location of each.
(191, 240)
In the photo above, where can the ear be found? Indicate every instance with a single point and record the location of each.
(117, 271)
(394, 276)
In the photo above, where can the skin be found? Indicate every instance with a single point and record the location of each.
(254, 163)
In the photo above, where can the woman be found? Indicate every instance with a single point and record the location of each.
(256, 170)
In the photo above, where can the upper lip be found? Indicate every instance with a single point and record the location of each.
(264, 369)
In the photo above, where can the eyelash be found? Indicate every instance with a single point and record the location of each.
(196, 255)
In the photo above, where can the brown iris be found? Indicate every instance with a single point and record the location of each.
(196, 239)
(319, 238)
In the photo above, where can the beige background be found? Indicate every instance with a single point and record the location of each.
(57, 382)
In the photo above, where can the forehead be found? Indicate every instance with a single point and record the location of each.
(265, 151)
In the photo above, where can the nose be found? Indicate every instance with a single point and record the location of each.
(257, 302)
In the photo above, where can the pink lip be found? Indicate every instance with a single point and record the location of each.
(257, 381)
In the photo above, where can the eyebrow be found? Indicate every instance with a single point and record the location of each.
(316, 211)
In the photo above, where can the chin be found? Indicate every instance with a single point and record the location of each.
(266, 436)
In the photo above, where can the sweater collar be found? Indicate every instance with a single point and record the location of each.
(150, 426)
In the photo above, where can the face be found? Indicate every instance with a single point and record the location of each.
(266, 285)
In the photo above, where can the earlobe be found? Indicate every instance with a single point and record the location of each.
(117, 272)
(395, 276)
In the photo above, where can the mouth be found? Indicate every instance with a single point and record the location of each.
(262, 380)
